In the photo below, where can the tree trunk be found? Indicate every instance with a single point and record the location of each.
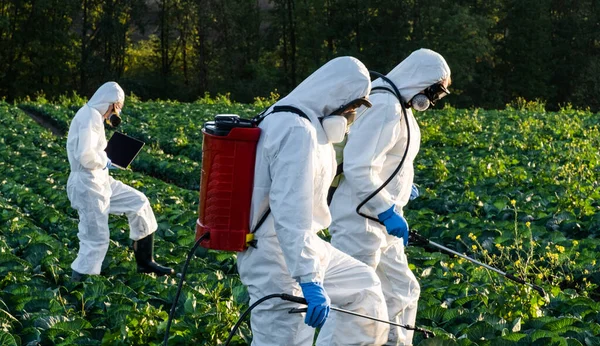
(84, 54)
(285, 50)
(292, 42)
(329, 36)
(164, 46)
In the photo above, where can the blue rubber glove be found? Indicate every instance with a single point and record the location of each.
(395, 224)
(318, 304)
(414, 192)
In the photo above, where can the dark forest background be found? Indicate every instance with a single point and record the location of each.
(498, 50)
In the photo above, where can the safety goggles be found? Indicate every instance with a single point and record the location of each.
(436, 92)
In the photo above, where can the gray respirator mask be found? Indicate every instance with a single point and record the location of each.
(114, 120)
(423, 100)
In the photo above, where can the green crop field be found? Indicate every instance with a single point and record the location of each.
(516, 189)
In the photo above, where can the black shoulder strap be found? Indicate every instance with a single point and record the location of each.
(339, 171)
(278, 109)
(290, 109)
(261, 117)
(386, 89)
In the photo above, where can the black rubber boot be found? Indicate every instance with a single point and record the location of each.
(143, 250)
(77, 277)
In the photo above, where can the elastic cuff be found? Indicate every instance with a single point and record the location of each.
(307, 278)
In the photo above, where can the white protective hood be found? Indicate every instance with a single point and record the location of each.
(335, 84)
(107, 94)
(418, 71)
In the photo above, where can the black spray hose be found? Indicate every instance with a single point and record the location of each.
(405, 114)
(245, 313)
(426, 333)
(420, 238)
(185, 266)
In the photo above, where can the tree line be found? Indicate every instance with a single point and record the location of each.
(498, 50)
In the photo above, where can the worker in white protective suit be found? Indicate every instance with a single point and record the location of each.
(95, 194)
(295, 163)
(375, 146)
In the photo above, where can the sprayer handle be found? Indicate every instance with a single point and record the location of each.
(415, 237)
(294, 299)
(297, 310)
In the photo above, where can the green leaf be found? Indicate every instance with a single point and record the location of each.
(190, 304)
(240, 294)
(503, 342)
(72, 325)
(96, 289)
(514, 336)
(560, 323)
(592, 341)
(539, 334)
(7, 339)
(5, 315)
(438, 341)
(500, 204)
(551, 341)
(481, 331)
(463, 300)
(573, 342)
(451, 314)
(434, 314)
(47, 322)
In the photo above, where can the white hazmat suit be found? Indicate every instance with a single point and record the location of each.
(295, 164)
(92, 192)
(375, 145)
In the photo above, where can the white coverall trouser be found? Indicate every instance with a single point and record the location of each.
(400, 286)
(351, 285)
(94, 203)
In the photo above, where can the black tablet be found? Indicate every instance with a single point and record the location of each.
(122, 149)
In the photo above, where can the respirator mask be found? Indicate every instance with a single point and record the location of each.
(423, 100)
(336, 124)
(114, 119)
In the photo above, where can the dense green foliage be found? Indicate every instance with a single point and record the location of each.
(498, 50)
(516, 189)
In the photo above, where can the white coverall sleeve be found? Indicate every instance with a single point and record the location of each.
(87, 152)
(291, 200)
(365, 153)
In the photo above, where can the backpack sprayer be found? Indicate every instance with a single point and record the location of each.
(228, 157)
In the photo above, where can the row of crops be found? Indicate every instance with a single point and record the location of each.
(516, 189)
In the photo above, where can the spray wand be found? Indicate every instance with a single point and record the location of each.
(416, 236)
(291, 298)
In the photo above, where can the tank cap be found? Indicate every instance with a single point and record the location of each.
(224, 123)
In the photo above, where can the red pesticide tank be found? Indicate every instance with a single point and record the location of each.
(228, 155)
